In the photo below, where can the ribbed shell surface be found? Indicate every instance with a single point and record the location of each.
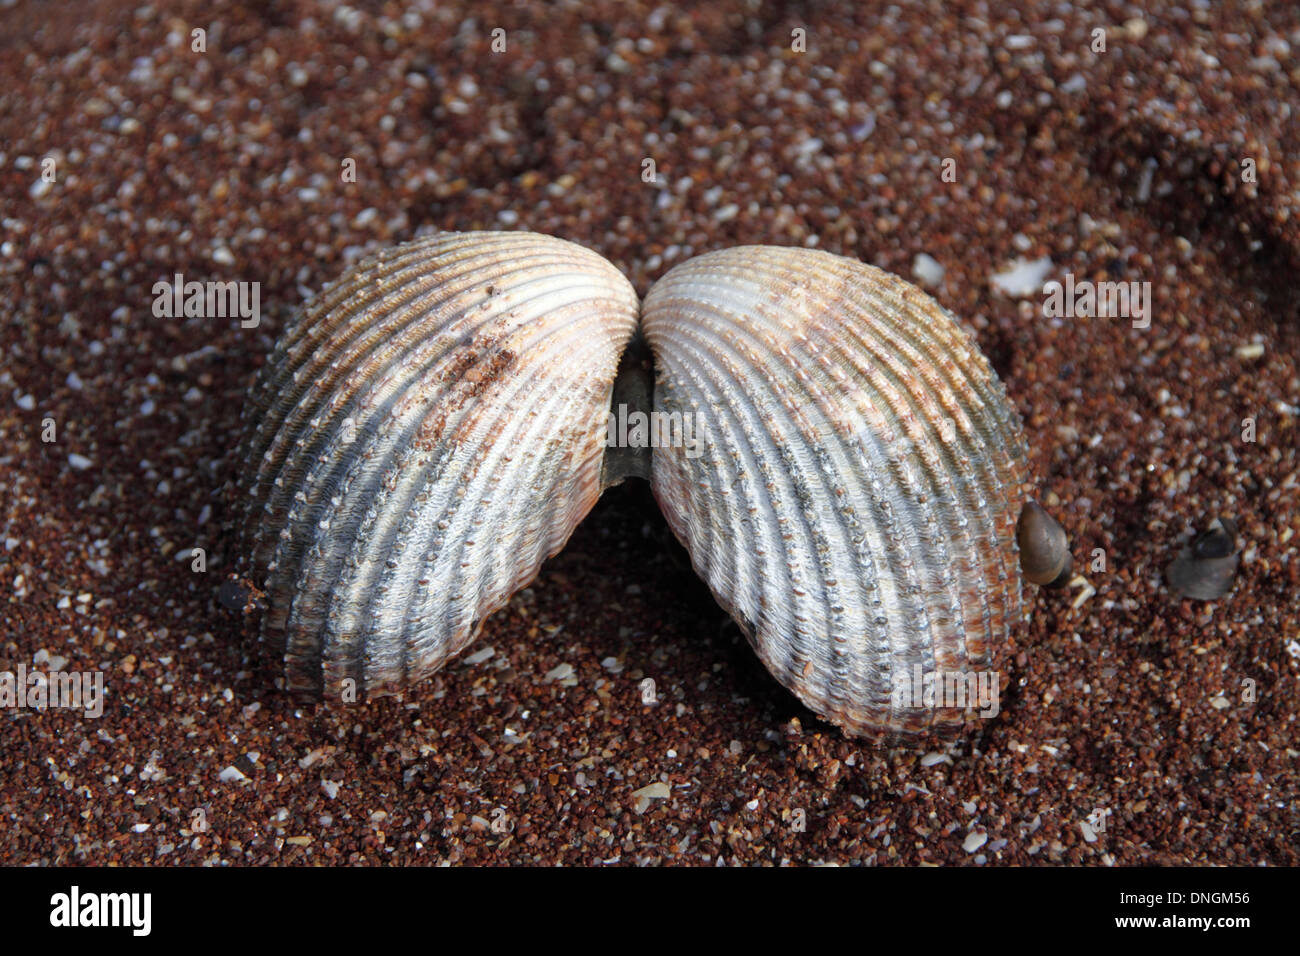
(420, 441)
(855, 503)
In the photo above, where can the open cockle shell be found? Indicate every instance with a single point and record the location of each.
(420, 441)
(434, 427)
(855, 505)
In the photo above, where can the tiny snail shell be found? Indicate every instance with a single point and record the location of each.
(1044, 550)
(426, 435)
(433, 427)
(856, 504)
(1205, 569)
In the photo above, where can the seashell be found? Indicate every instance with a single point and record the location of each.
(433, 427)
(1206, 569)
(856, 502)
(419, 442)
(1044, 552)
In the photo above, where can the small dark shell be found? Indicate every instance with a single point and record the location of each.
(1217, 541)
(1204, 579)
(1044, 550)
(1206, 570)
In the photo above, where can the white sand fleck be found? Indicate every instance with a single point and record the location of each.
(928, 269)
(1022, 278)
(562, 674)
(478, 657)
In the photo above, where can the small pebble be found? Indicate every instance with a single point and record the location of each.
(479, 656)
(1023, 278)
(927, 269)
(562, 674)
